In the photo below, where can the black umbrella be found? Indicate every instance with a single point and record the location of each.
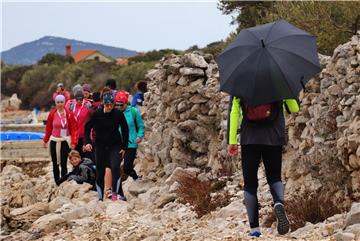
(268, 63)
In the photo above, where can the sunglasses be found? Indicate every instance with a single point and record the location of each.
(119, 104)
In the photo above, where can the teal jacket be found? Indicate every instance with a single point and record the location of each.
(132, 115)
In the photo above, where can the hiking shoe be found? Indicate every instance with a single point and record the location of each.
(255, 234)
(114, 197)
(108, 193)
(283, 224)
(122, 198)
(139, 178)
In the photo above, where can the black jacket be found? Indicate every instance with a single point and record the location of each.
(106, 126)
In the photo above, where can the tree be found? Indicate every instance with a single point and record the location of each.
(10, 78)
(333, 23)
(34, 82)
(52, 58)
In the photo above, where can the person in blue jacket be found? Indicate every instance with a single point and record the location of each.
(136, 131)
(138, 98)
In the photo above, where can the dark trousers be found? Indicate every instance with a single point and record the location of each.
(272, 158)
(129, 158)
(64, 151)
(107, 156)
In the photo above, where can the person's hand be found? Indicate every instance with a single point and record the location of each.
(232, 150)
(138, 140)
(45, 145)
(72, 146)
(122, 153)
(88, 147)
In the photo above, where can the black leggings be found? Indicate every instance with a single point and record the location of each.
(107, 156)
(129, 158)
(64, 151)
(251, 156)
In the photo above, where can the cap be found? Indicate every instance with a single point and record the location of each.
(108, 98)
(122, 96)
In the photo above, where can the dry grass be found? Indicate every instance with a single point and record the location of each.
(309, 207)
(198, 194)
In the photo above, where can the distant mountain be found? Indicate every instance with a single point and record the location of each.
(30, 53)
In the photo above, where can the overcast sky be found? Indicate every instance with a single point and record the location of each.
(141, 25)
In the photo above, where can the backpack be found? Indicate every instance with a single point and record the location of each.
(265, 113)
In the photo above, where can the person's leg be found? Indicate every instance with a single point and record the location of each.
(100, 157)
(64, 156)
(272, 156)
(56, 170)
(114, 159)
(129, 158)
(108, 181)
(250, 157)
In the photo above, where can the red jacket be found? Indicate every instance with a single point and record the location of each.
(72, 126)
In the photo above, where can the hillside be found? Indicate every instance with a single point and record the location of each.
(31, 52)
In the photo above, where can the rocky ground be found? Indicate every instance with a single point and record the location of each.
(33, 208)
(185, 119)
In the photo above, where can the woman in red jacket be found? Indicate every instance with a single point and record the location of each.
(61, 130)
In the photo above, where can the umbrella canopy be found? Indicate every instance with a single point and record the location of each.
(268, 63)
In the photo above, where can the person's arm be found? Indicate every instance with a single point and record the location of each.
(82, 177)
(49, 127)
(134, 100)
(88, 126)
(73, 126)
(291, 105)
(235, 117)
(124, 131)
(140, 124)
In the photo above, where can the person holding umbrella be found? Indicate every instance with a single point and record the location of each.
(263, 70)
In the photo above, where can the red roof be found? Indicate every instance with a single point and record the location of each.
(82, 54)
(121, 61)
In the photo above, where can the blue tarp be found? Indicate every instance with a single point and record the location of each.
(20, 136)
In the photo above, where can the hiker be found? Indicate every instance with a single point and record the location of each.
(60, 90)
(87, 92)
(83, 170)
(138, 98)
(61, 130)
(111, 83)
(262, 137)
(81, 110)
(110, 145)
(136, 131)
(136, 134)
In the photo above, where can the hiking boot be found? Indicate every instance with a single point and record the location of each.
(108, 193)
(255, 234)
(114, 197)
(283, 224)
(122, 198)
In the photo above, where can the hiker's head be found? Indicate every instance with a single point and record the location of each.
(75, 158)
(79, 96)
(76, 88)
(86, 90)
(108, 100)
(60, 87)
(60, 102)
(141, 86)
(96, 96)
(111, 83)
(121, 100)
